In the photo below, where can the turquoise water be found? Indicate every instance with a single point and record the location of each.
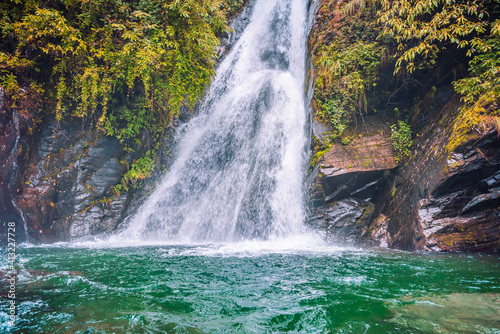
(239, 289)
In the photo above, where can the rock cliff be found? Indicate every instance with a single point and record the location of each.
(436, 198)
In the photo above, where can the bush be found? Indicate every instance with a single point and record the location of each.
(344, 77)
(139, 170)
(336, 116)
(401, 140)
(347, 60)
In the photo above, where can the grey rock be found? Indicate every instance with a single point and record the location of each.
(345, 221)
(108, 175)
(483, 201)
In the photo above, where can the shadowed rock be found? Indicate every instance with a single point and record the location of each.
(348, 178)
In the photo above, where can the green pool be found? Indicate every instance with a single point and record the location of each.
(244, 288)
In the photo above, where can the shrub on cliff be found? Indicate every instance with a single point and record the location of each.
(426, 29)
(401, 140)
(347, 60)
(345, 74)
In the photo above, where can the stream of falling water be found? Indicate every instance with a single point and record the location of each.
(239, 168)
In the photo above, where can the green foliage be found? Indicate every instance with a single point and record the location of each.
(139, 170)
(481, 92)
(346, 141)
(401, 140)
(353, 6)
(344, 76)
(484, 78)
(346, 68)
(95, 58)
(126, 123)
(318, 154)
(47, 31)
(425, 29)
(337, 116)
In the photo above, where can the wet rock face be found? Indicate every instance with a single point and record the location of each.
(56, 182)
(376, 233)
(443, 201)
(15, 138)
(345, 221)
(69, 189)
(238, 25)
(338, 183)
(463, 211)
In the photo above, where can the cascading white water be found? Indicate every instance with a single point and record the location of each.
(239, 167)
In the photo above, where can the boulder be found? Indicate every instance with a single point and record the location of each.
(344, 220)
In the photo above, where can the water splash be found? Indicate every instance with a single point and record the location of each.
(239, 167)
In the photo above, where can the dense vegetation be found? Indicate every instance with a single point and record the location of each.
(347, 61)
(122, 65)
(413, 36)
(427, 30)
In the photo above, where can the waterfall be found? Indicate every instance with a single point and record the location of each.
(239, 165)
(11, 179)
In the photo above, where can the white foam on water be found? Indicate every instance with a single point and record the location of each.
(306, 243)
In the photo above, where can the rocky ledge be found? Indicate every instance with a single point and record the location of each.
(345, 183)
